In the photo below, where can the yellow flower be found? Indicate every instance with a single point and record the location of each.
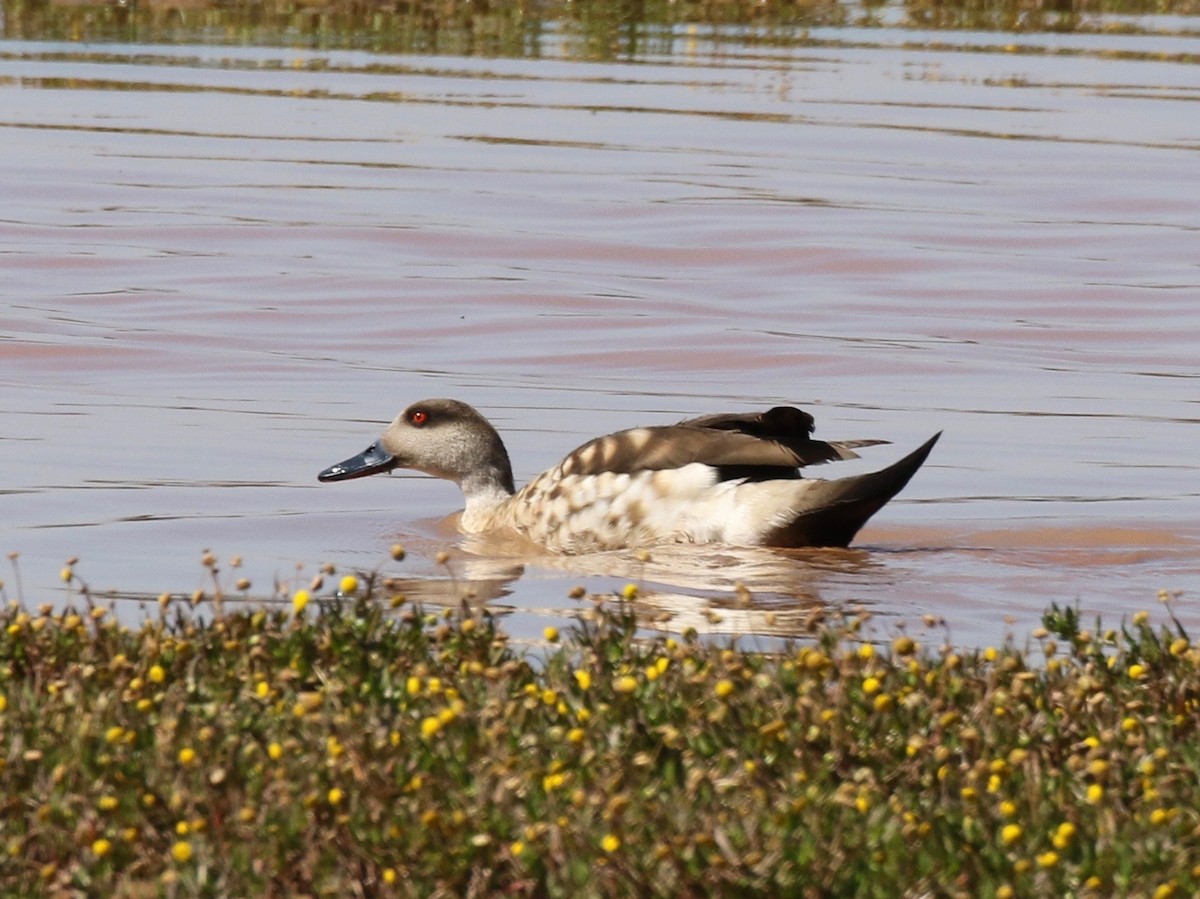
(108, 803)
(3, 703)
(412, 686)
(883, 702)
(1064, 835)
(299, 601)
(575, 735)
(551, 634)
(389, 876)
(626, 684)
(101, 848)
(1010, 833)
(1095, 793)
(1047, 859)
(1137, 672)
(610, 843)
(156, 674)
(1007, 809)
(182, 852)
(904, 646)
(1140, 618)
(723, 688)
(183, 828)
(517, 848)
(430, 726)
(336, 796)
(187, 755)
(871, 685)
(275, 751)
(583, 678)
(629, 592)
(114, 734)
(262, 689)
(349, 584)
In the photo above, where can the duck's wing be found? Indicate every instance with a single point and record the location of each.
(754, 446)
(788, 426)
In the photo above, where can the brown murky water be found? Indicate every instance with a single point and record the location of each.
(223, 268)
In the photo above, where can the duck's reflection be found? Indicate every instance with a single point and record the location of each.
(712, 590)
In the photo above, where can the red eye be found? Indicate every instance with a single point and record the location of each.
(418, 417)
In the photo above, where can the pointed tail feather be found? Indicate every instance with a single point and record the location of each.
(834, 511)
(846, 448)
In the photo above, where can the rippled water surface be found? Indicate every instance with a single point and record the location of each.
(226, 267)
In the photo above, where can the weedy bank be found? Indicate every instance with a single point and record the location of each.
(359, 746)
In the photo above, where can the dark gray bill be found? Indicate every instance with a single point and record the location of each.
(372, 460)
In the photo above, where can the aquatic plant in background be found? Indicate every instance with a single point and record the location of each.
(585, 29)
(347, 742)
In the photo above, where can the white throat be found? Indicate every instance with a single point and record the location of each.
(481, 503)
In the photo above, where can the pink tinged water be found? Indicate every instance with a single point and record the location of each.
(220, 275)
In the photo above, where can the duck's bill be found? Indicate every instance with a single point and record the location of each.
(373, 460)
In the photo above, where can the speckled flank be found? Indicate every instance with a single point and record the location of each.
(583, 513)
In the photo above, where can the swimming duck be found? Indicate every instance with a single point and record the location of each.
(730, 478)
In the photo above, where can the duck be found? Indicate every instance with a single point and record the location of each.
(726, 478)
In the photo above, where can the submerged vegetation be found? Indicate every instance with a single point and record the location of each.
(351, 744)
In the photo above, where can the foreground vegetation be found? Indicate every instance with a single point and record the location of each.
(354, 745)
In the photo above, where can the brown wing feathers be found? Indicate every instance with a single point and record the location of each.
(755, 445)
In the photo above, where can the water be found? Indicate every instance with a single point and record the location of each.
(226, 267)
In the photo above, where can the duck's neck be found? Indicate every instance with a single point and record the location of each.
(483, 495)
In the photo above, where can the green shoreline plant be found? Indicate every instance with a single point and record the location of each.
(354, 745)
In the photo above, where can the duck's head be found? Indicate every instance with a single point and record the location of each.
(445, 438)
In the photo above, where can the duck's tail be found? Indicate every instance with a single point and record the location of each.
(831, 512)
